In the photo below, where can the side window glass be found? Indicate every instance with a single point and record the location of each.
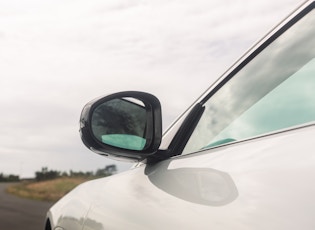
(275, 91)
(289, 104)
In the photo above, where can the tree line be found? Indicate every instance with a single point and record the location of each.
(47, 174)
(9, 178)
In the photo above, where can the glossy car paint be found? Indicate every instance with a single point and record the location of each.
(261, 183)
(264, 183)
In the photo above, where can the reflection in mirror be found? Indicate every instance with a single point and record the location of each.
(120, 123)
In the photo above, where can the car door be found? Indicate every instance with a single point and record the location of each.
(247, 161)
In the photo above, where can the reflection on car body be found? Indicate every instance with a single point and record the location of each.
(241, 157)
(198, 185)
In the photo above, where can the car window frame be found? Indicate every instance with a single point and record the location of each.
(177, 135)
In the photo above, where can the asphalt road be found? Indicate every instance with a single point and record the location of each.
(17, 213)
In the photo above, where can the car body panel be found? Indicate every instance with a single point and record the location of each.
(263, 182)
(237, 186)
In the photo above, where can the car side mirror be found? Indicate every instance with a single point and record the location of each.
(125, 125)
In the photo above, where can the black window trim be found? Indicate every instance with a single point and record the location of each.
(186, 129)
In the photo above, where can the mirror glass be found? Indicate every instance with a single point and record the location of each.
(120, 123)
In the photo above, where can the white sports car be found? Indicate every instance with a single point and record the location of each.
(241, 157)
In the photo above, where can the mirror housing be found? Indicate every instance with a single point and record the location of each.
(124, 126)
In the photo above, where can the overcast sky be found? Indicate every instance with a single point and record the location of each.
(56, 55)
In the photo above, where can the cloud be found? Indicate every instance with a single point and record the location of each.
(57, 55)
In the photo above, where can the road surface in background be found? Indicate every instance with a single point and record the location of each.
(17, 213)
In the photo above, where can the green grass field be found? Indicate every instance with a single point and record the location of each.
(51, 190)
